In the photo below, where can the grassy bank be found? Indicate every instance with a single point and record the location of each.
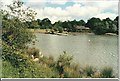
(44, 31)
(19, 66)
(38, 30)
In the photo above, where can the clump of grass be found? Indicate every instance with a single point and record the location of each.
(107, 72)
(89, 71)
(51, 61)
(76, 67)
(71, 72)
(47, 61)
(97, 74)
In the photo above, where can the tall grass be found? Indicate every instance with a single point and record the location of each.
(89, 71)
(107, 72)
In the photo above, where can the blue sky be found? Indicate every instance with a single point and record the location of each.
(64, 10)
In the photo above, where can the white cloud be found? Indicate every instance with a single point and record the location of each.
(55, 11)
(40, 14)
(101, 4)
(57, 18)
(84, 11)
(81, 9)
(6, 2)
(78, 10)
(106, 15)
(54, 14)
(49, 1)
(61, 2)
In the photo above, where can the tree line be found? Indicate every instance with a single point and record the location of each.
(96, 25)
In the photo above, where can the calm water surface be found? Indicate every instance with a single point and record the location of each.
(87, 49)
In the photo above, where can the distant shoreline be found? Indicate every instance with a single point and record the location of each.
(43, 31)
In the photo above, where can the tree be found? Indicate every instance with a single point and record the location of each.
(100, 29)
(81, 23)
(70, 27)
(15, 33)
(96, 25)
(60, 29)
(111, 27)
(92, 23)
(46, 23)
(116, 21)
(58, 26)
(34, 24)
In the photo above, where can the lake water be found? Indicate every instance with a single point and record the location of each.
(87, 49)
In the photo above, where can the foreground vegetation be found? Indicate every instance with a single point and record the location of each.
(21, 66)
(20, 61)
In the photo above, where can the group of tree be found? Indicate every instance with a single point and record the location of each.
(96, 25)
(60, 26)
(99, 26)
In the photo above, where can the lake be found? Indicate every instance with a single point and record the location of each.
(87, 49)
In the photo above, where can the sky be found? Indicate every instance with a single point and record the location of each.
(64, 10)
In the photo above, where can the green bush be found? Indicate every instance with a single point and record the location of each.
(60, 29)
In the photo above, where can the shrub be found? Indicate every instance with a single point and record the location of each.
(34, 52)
(60, 29)
(63, 61)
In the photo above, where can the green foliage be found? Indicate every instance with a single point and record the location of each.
(65, 59)
(46, 23)
(100, 27)
(60, 29)
(72, 71)
(107, 72)
(15, 36)
(19, 65)
(26, 70)
(55, 29)
(49, 61)
(89, 71)
(33, 25)
(110, 25)
(15, 32)
(93, 22)
(116, 21)
(63, 62)
(97, 25)
(16, 56)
